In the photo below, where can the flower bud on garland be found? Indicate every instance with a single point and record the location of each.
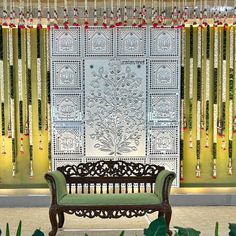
(66, 21)
(104, 19)
(39, 23)
(76, 18)
(95, 18)
(55, 21)
(134, 23)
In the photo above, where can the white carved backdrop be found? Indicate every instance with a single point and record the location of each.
(115, 95)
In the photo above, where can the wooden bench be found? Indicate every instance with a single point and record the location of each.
(109, 189)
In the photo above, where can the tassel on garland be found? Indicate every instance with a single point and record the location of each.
(214, 169)
(207, 140)
(3, 146)
(230, 168)
(184, 123)
(181, 170)
(219, 128)
(21, 146)
(31, 169)
(66, 21)
(49, 166)
(223, 144)
(198, 170)
(190, 139)
(26, 133)
(14, 169)
(9, 131)
(234, 125)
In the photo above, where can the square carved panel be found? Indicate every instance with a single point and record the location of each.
(99, 42)
(164, 42)
(65, 42)
(164, 107)
(67, 107)
(164, 74)
(68, 140)
(131, 41)
(66, 75)
(164, 141)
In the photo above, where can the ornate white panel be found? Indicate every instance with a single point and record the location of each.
(66, 75)
(68, 140)
(115, 107)
(65, 42)
(115, 95)
(164, 141)
(164, 42)
(164, 74)
(99, 41)
(67, 107)
(164, 108)
(131, 41)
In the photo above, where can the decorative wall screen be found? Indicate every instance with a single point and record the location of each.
(115, 95)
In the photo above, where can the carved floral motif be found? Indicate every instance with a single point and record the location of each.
(115, 109)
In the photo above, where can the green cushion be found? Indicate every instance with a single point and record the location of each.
(110, 199)
(60, 180)
(160, 183)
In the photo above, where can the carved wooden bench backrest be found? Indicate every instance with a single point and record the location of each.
(110, 177)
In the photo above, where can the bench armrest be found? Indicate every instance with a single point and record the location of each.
(163, 184)
(57, 184)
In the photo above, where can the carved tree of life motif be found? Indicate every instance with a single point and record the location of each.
(114, 108)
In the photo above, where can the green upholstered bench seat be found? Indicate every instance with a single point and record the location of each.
(130, 199)
(109, 189)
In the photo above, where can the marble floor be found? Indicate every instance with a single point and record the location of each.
(200, 218)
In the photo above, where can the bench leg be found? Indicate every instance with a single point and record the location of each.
(168, 214)
(53, 220)
(160, 214)
(61, 218)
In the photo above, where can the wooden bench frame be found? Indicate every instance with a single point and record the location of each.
(110, 174)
